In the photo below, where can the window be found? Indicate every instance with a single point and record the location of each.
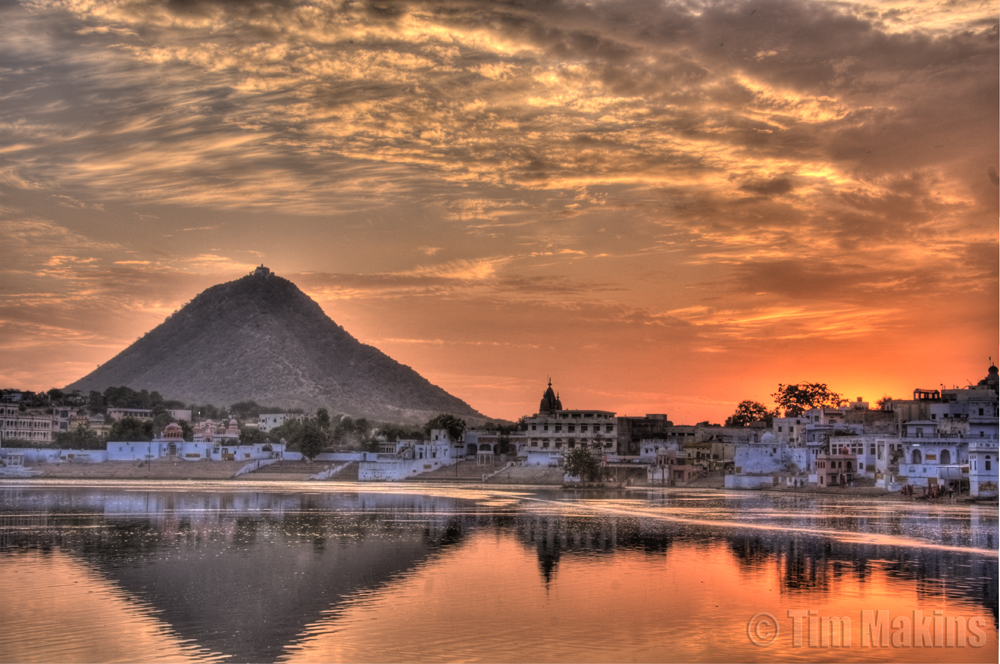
(558, 427)
(610, 428)
(534, 427)
(583, 427)
(572, 428)
(545, 427)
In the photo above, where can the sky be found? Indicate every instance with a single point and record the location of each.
(666, 207)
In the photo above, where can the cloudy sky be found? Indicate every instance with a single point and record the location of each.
(666, 206)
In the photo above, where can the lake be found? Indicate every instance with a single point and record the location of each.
(325, 572)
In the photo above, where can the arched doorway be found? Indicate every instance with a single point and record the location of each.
(917, 457)
(945, 457)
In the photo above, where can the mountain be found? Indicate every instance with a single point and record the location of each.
(260, 338)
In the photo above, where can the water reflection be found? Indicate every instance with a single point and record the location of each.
(257, 574)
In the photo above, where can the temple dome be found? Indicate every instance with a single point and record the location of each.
(550, 402)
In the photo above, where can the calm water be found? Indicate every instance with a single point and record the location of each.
(202, 571)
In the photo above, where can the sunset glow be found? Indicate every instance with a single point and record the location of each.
(667, 207)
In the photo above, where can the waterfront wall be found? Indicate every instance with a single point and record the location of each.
(393, 469)
(749, 481)
(33, 455)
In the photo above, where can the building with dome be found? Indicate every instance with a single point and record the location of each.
(217, 432)
(555, 430)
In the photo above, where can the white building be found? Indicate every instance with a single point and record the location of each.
(268, 421)
(983, 468)
(412, 457)
(487, 442)
(554, 430)
(178, 414)
(171, 444)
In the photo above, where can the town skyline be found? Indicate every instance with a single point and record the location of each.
(666, 207)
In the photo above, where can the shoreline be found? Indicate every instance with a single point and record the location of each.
(222, 472)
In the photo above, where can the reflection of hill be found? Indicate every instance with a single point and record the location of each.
(212, 578)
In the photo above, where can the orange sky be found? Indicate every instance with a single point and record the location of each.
(665, 206)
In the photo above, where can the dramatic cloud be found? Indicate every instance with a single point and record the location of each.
(614, 193)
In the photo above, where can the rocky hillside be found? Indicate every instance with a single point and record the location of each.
(261, 338)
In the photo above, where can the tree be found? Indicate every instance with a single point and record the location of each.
(453, 425)
(399, 432)
(95, 402)
(503, 442)
(80, 438)
(323, 418)
(579, 462)
(310, 441)
(246, 410)
(131, 429)
(750, 411)
(793, 400)
(886, 400)
(253, 436)
(55, 395)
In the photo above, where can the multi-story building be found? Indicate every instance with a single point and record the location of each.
(937, 446)
(21, 425)
(555, 429)
(835, 468)
(268, 421)
(633, 430)
(137, 413)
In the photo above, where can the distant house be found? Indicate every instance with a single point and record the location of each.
(178, 414)
(138, 413)
(268, 421)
